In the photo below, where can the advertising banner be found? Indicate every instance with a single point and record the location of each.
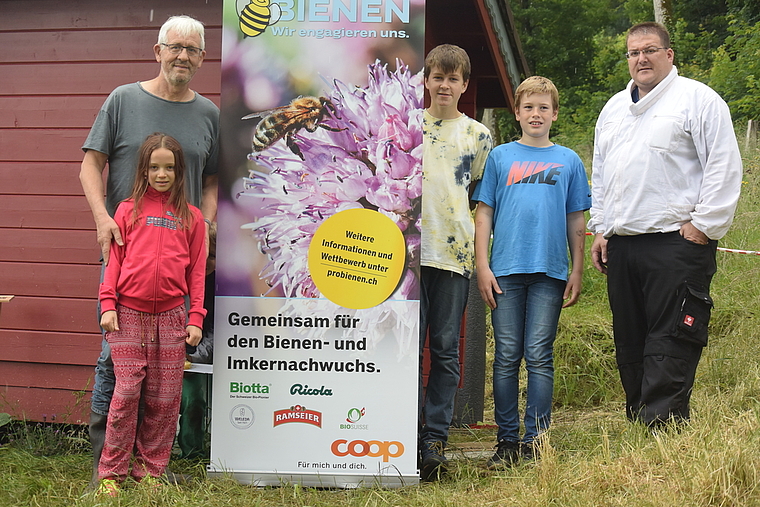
(316, 333)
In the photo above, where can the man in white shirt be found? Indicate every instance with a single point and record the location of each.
(666, 178)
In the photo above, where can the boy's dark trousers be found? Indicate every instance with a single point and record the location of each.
(192, 422)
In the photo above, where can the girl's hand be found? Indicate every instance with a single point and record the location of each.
(194, 335)
(109, 321)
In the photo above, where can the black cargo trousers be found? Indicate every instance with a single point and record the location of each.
(659, 292)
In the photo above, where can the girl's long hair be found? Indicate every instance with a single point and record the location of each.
(177, 197)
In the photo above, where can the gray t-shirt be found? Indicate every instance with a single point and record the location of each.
(130, 114)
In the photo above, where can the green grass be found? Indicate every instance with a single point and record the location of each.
(593, 456)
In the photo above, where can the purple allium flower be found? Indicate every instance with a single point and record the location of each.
(368, 154)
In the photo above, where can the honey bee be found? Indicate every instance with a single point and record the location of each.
(286, 121)
(257, 16)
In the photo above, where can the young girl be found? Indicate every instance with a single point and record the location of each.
(142, 298)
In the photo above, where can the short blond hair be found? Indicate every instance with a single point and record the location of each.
(537, 84)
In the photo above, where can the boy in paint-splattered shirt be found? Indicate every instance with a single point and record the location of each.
(454, 154)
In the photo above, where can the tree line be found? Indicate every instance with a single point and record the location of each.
(579, 44)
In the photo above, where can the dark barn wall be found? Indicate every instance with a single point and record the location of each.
(60, 60)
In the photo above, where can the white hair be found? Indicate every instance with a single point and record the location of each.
(182, 26)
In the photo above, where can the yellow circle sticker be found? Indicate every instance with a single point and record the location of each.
(357, 257)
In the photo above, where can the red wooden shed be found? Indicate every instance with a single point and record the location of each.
(60, 60)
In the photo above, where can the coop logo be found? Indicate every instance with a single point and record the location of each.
(249, 391)
(241, 417)
(372, 448)
(297, 414)
(354, 416)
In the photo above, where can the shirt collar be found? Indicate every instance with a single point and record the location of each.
(653, 96)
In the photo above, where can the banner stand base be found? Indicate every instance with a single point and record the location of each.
(341, 481)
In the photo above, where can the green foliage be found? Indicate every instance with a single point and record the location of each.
(736, 70)
(636, 11)
(557, 37)
(578, 44)
(46, 438)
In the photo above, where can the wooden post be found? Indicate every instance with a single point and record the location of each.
(750, 142)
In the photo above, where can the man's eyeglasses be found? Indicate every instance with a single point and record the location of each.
(635, 53)
(176, 49)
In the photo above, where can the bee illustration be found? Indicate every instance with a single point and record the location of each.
(286, 121)
(257, 16)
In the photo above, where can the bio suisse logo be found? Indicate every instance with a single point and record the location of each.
(353, 416)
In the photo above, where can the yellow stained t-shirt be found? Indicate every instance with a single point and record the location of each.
(454, 154)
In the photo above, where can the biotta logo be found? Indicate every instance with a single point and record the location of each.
(241, 417)
(353, 417)
(297, 414)
(249, 391)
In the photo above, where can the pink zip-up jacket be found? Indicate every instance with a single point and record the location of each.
(160, 261)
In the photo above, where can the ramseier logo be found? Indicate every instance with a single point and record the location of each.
(297, 413)
(372, 448)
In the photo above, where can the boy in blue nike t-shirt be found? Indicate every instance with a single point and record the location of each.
(533, 195)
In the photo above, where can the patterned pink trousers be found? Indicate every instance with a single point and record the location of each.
(148, 355)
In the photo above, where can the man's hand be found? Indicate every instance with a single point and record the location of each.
(108, 230)
(487, 285)
(691, 233)
(194, 335)
(109, 321)
(599, 253)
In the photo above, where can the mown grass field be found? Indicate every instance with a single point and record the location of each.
(593, 457)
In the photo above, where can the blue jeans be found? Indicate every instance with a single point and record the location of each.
(443, 298)
(105, 378)
(525, 324)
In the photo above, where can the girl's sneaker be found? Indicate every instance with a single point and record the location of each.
(108, 487)
(151, 483)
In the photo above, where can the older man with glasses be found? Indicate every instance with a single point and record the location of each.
(665, 184)
(130, 113)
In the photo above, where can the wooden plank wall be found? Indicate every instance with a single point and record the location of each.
(60, 60)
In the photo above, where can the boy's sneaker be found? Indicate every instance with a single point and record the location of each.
(528, 451)
(177, 478)
(108, 487)
(507, 454)
(434, 461)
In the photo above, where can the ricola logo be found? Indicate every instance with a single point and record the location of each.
(305, 390)
(239, 387)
